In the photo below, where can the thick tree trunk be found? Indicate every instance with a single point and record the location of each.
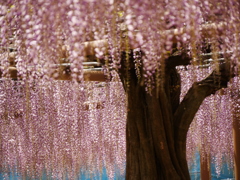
(150, 138)
(151, 152)
(157, 123)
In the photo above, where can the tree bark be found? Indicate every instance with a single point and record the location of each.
(157, 123)
(149, 146)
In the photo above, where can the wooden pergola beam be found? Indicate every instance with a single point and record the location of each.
(207, 30)
(88, 75)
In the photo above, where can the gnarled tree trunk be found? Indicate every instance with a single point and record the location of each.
(157, 123)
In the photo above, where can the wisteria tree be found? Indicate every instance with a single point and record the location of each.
(145, 43)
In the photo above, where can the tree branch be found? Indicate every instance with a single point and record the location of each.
(190, 104)
(177, 59)
(198, 92)
(172, 77)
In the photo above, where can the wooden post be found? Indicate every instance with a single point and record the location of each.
(205, 166)
(236, 141)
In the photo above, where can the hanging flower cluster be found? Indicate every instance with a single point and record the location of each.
(62, 129)
(43, 31)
